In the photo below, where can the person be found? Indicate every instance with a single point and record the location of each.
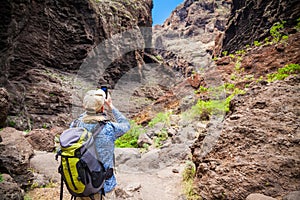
(93, 104)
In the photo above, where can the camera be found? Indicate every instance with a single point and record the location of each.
(105, 89)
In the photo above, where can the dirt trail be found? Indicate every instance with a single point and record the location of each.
(133, 184)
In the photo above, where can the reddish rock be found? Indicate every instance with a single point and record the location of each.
(41, 140)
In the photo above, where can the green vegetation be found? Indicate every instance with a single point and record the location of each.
(162, 136)
(1, 178)
(159, 57)
(26, 197)
(257, 43)
(282, 73)
(201, 90)
(233, 77)
(232, 56)
(204, 109)
(188, 176)
(208, 107)
(229, 86)
(160, 117)
(267, 41)
(298, 24)
(11, 123)
(44, 126)
(225, 53)
(276, 31)
(129, 139)
(240, 52)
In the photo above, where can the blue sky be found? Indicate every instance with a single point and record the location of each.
(162, 9)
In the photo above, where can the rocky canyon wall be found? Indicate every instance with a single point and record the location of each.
(44, 43)
(251, 20)
(188, 38)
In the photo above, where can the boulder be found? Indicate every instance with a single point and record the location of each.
(15, 153)
(295, 195)
(144, 139)
(9, 189)
(41, 140)
(256, 196)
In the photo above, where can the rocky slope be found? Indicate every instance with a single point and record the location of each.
(257, 149)
(188, 38)
(248, 154)
(251, 21)
(43, 46)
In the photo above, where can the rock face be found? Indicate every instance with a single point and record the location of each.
(4, 106)
(187, 37)
(15, 153)
(251, 20)
(41, 140)
(258, 148)
(44, 43)
(9, 189)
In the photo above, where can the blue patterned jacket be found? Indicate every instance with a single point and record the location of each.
(105, 141)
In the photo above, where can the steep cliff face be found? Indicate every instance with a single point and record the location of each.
(251, 20)
(187, 38)
(256, 151)
(44, 43)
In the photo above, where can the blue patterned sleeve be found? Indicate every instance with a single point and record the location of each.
(122, 125)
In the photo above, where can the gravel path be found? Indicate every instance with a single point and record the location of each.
(133, 184)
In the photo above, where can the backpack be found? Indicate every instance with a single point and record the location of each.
(80, 168)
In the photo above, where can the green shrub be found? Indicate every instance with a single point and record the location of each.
(267, 41)
(298, 24)
(229, 86)
(224, 53)
(11, 123)
(159, 57)
(204, 109)
(257, 43)
(201, 90)
(240, 52)
(1, 178)
(284, 38)
(208, 108)
(282, 73)
(160, 117)
(276, 31)
(233, 77)
(162, 136)
(26, 197)
(231, 56)
(188, 177)
(129, 139)
(259, 79)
